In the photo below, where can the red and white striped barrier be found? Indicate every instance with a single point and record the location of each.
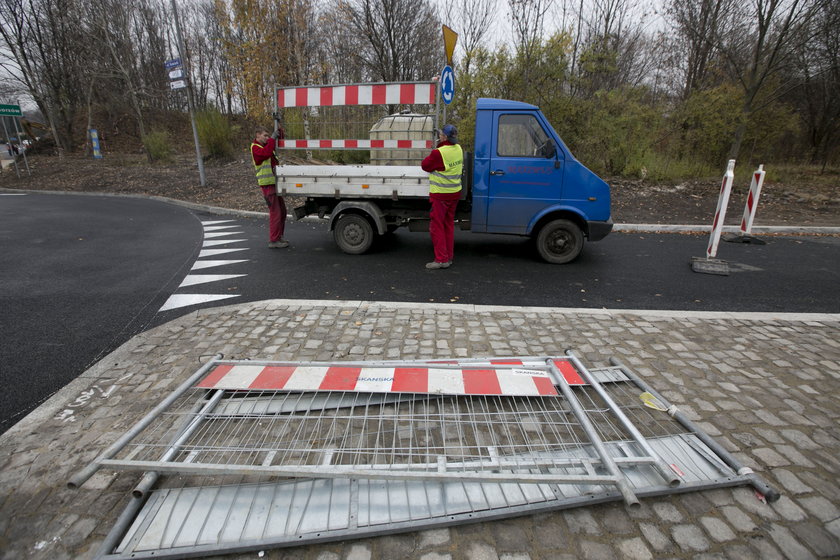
(354, 144)
(720, 213)
(407, 93)
(495, 379)
(752, 200)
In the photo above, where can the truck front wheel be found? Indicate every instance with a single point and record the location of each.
(353, 234)
(560, 241)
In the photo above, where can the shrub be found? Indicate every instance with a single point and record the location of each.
(215, 133)
(157, 146)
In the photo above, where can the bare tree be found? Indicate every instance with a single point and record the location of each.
(472, 20)
(399, 39)
(761, 47)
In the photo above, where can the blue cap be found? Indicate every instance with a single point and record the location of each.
(450, 131)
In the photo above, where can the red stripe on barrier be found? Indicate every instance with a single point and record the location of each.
(407, 94)
(340, 379)
(327, 96)
(301, 97)
(272, 377)
(351, 143)
(569, 372)
(410, 380)
(351, 95)
(301, 144)
(215, 375)
(377, 143)
(544, 385)
(481, 382)
(404, 143)
(325, 143)
(378, 95)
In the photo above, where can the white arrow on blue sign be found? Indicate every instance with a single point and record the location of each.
(447, 84)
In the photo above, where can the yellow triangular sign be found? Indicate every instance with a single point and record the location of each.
(449, 40)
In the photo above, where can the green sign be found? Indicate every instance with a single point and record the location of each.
(10, 111)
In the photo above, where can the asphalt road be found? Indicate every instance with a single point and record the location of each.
(81, 275)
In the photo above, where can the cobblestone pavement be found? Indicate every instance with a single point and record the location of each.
(766, 387)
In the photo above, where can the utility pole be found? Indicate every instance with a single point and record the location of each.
(182, 55)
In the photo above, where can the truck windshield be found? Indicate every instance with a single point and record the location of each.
(520, 135)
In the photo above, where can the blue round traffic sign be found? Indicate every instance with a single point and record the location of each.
(447, 84)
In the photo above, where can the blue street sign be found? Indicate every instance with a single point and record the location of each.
(94, 141)
(447, 84)
(174, 63)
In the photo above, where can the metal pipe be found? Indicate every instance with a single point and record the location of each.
(660, 465)
(150, 478)
(756, 481)
(119, 529)
(83, 475)
(620, 481)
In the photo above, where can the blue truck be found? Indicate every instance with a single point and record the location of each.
(521, 179)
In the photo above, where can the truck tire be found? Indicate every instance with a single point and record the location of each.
(353, 234)
(560, 241)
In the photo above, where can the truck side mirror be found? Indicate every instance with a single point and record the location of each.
(548, 150)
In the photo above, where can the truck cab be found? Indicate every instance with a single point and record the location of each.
(527, 182)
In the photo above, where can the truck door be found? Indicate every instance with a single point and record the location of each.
(526, 171)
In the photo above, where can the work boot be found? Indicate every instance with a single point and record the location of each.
(281, 244)
(435, 264)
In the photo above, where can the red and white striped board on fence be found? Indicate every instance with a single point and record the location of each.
(354, 144)
(405, 93)
(720, 213)
(493, 379)
(752, 200)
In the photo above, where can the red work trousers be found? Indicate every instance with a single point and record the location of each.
(442, 224)
(276, 212)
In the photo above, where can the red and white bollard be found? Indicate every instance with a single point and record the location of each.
(752, 200)
(720, 213)
(711, 265)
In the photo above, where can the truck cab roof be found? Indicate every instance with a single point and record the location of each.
(503, 105)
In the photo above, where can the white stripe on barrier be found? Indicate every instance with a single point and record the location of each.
(752, 200)
(720, 213)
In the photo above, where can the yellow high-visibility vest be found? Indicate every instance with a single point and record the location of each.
(448, 180)
(265, 174)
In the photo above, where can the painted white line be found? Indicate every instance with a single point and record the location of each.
(193, 279)
(209, 264)
(12, 194)
(214, 222)
(221, 233)
(214, 252)
(221, 242)
(219, 228)
(183, 300)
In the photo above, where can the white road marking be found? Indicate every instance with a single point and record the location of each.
(183, 300)
(210, 264)
(193, 279)
(214, 252)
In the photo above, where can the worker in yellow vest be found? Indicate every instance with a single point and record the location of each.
(262, 155)
(444, 165)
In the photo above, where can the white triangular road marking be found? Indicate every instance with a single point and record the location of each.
(221, 242)
(217, 228)
(213, 252)
(193, 279)
(221, 233)
(209, 264)
(182, 300)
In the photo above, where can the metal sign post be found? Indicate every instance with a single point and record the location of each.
(177, 62)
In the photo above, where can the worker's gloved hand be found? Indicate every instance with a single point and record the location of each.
(278, 134)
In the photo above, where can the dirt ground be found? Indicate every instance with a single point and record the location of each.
(232, 185)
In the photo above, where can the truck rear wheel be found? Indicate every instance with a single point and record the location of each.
(560, 241)
(353, 234)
